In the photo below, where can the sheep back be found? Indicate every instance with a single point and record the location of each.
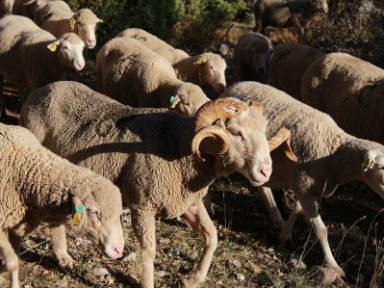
(350, 90)
(131, 73)
(154, 43)
(288, 64)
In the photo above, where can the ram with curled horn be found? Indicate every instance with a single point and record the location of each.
(147, 152)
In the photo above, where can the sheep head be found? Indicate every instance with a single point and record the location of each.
(69, 48)
(259, 54)
(212, 71)
(372, 166)
(188, 99)
(97, 215)
(233, 132)
(83, 23)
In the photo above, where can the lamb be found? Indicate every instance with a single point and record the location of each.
(41, 187)
(280, 13)
(32, 57)
(251, 57)
(57, 18)
(327, 156)
(153, 155)
(350, 90)
(203, 69)
(134, 75)
(288, 64)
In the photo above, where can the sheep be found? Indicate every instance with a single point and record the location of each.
(41, 187)
(327, 156)
(280, 13)
(251, 57)
(26, 8)
(154, 155)
(203, 69)
(57, 18)
(350, 90)
(31, 57)
(288, 64)
(134, 75)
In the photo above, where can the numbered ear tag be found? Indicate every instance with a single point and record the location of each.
(76, 219)
(72, 23)
(53, 48)
(173, 101)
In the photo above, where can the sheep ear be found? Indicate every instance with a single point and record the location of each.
(201, 60)
(283, 137)
(54, 45)
(79, 209)
(173, 101)
(369, 160)
(99, 20)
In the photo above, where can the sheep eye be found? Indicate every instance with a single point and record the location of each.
(237, 134)
(93, 212)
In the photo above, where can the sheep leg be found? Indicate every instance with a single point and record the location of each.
(197, 217)
(59, 245)
(273, 210)
(10, 259)
(287, 228)
(143, 224)
(311, 213)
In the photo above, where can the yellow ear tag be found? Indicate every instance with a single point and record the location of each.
(76, 219)
(72, 23)
(53, 48)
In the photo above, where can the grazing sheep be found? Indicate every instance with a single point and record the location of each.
(134, 75)
(281, 13)
(203, 69)
(251, 57)
(288, 64)
(32, 57)
(38, 187)
(153, 155)
(327, 156)
(57, 17)
(350, 90)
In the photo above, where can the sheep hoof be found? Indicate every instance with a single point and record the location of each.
(190, 282)
(65, 261)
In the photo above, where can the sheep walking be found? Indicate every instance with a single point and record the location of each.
(251, 57)
(327, 156)
(288, 65)
(204, 69)
(134, 75)
(57, 18)
(31, 57)
(281, 13)
(41, 187)
(155, 155)
(350, 90)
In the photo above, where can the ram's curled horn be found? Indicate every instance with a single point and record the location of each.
(283, 137)
(205, 128)
(216, 142)
(220, 109)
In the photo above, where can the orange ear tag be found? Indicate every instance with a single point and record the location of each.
(72, 23)
(76, 219)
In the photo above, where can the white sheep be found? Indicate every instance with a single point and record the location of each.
(31, 57)
(288, 64)
(251, 57)
(350, 90)
(57, 18)
(327, 157)
(153, 155)
(38, 187)
(203, 69)
(135, 75)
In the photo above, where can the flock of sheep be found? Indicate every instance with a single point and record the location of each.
(163, 162)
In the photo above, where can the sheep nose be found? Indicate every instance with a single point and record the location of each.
(325, 9)
(220, 87)
(119, 250)
(90, 43)
(79, 65)
(266, 171)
